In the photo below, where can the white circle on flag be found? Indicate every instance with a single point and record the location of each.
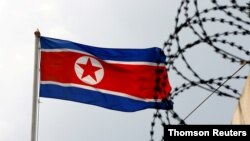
(89, 70)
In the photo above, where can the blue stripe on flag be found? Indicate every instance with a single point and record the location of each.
(153, 54)
(97, 98)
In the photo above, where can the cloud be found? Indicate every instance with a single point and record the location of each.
(47, 8)
(2, 4)
(60, 31)
(4, 129)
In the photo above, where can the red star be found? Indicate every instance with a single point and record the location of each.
(89, 69)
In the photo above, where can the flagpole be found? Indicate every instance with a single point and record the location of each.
(35, 89)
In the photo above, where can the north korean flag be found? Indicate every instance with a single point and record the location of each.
(119, 79)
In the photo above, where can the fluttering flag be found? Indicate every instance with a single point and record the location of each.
(119, 79)
(242, 112)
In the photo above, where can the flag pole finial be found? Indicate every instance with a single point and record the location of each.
(37, 33)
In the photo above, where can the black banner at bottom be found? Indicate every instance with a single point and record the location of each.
(195, 131)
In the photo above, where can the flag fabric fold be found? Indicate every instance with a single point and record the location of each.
(119, 79)
(242, 112)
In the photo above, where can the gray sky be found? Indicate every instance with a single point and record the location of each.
(109, 23)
